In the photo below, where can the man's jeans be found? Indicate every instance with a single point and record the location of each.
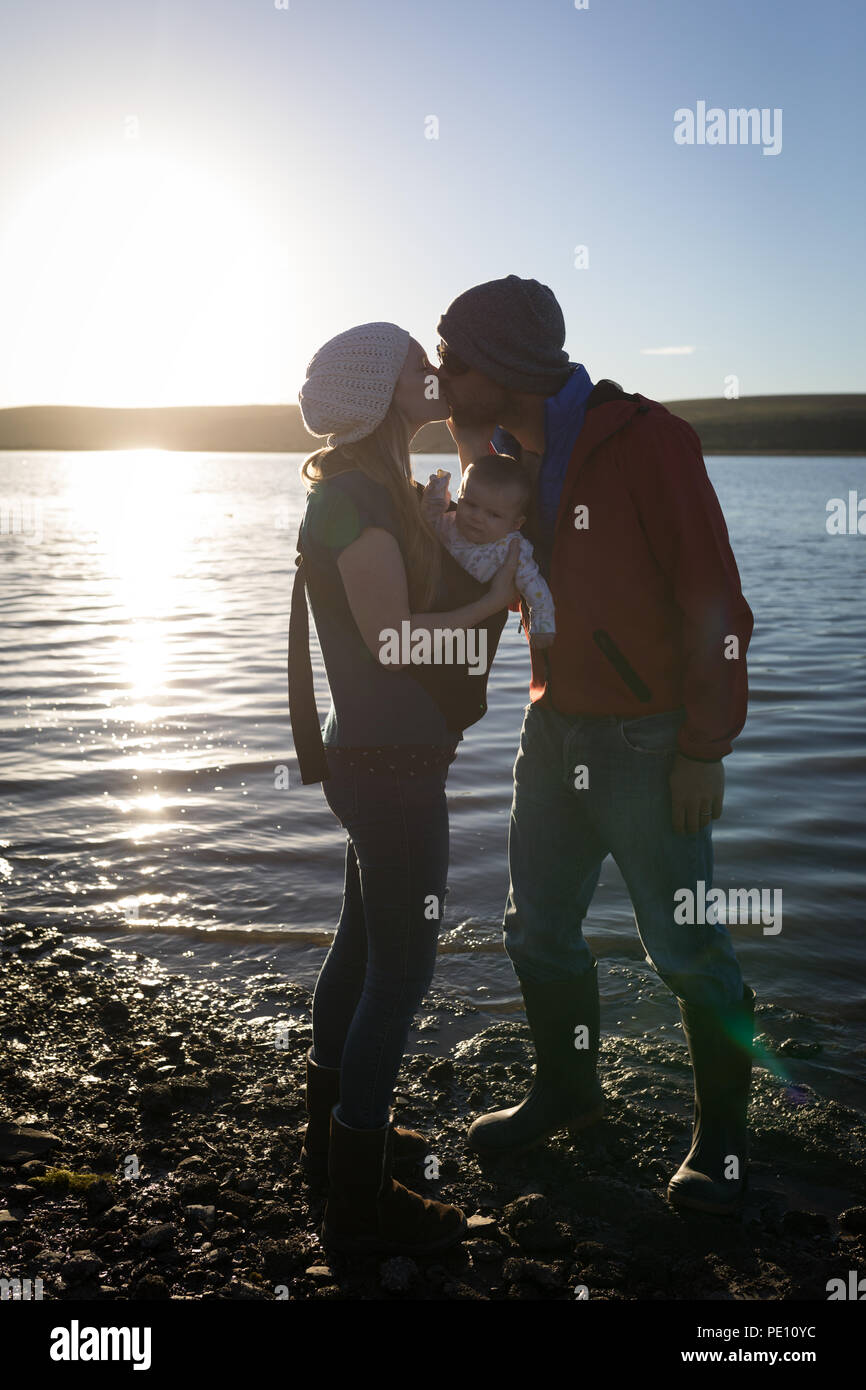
(383, 955)
(560, 835)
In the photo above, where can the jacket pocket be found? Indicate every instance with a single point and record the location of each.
(653, 733)
(621, 665)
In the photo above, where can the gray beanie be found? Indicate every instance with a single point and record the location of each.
(512, 330)
(350, 381)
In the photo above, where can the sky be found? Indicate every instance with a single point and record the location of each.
(196, 194)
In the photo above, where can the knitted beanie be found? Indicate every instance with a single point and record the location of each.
(350, 381)
(512, 330)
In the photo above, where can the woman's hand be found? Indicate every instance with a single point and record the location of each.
(502, 586)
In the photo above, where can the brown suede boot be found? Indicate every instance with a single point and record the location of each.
(368, 1211)
(323, 1092)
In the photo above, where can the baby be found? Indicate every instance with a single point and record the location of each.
(493, 497)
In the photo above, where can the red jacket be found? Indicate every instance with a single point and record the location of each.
(648, 595)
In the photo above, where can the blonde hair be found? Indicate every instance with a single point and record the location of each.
(384, 457)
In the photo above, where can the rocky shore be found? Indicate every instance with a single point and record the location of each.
(150, 1129)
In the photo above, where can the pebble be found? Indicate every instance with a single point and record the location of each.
(201, 1217)
(440, 1072)
(19, 1143)
(543, 1276)
(22, 1195)
(798, 1047)
(484, 1250)
(33, 1168)
(99, 1197)
(853, 1219)
(481, 1224)
(115, 1216)
(804, 1223)
(532, 1205)
(543, 1234)
(114, 1013)
(67, 960)
(83, 1265)
(157, 1099)
(159, 1237)
(150, 1286)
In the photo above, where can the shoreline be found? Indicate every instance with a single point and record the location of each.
(120, 1065)
(743, 452)
(798, 423)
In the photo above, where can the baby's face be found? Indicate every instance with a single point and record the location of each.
(486, 512)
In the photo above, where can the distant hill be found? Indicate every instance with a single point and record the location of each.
(227, 428)
(778, 424)
(751, 425)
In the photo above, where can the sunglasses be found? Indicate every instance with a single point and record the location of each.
(450, 361)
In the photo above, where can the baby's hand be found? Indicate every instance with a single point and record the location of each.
(540, 640)
(436, 491)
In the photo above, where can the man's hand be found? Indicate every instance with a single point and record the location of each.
(542, 640)
(697, 793)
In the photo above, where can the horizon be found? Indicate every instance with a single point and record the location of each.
(184, 221)
(293, 405)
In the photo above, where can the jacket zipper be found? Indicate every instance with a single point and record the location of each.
(621, 665)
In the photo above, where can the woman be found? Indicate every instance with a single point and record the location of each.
(371, 564)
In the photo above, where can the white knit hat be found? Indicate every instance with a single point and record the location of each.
(350, 381)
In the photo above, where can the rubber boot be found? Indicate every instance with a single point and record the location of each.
(713, 1176)
(565, 1091)
(368, 1211)
(322, 1094)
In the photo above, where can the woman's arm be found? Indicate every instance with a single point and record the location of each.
(374, 578)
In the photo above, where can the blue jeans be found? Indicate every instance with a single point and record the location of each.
(383, 955)
(559, 837)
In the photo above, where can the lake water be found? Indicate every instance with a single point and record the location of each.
(145, 598)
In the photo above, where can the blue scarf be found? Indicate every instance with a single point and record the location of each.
(564, 414)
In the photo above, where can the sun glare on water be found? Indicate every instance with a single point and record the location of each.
(143, 521)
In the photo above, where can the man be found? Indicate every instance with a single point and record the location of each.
(632, 710)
